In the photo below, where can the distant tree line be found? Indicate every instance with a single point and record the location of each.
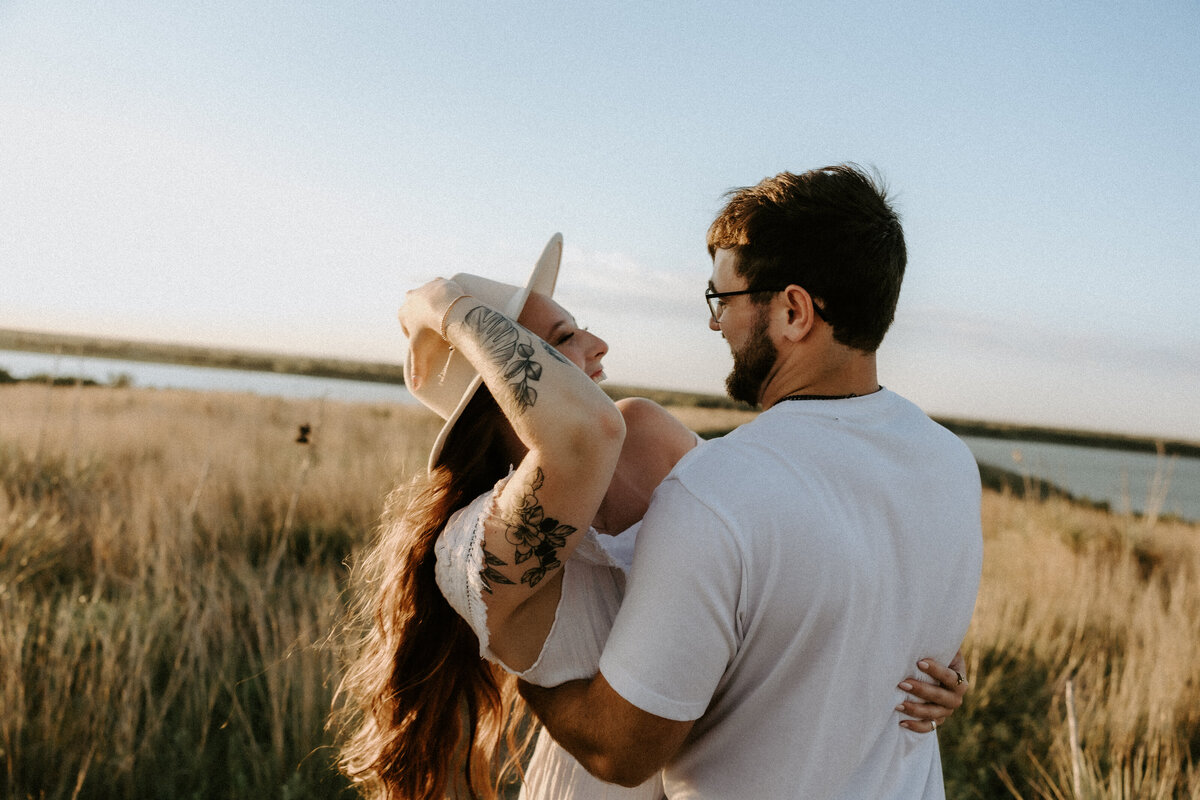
(120, 380)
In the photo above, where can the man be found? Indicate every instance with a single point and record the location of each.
(789, 573)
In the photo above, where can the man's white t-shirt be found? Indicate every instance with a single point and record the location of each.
(786, 578)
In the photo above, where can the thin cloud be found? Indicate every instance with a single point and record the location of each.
(618, 284)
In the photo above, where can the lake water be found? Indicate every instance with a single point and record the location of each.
(1125, 480)
(174, 376)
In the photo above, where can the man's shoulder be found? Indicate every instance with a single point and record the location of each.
(720, 462)
(800, 443)
(938, 436)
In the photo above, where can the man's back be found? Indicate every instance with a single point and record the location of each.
(787, 578)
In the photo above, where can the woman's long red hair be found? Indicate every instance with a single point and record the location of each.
(417, 703)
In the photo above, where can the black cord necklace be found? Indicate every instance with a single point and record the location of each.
(820, 396)
(817, 397)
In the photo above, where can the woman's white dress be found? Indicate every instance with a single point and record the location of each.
(592, 587)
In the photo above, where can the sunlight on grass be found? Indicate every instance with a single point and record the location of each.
(172, 567)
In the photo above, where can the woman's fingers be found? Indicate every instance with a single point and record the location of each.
(424, 306)
(931, 704)
(951, 677)
(933, 695)
(920, 725)
(926, 716)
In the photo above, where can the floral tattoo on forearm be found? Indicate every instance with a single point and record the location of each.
(533, 535)
(502, 343)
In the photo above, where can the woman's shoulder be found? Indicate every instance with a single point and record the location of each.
(649, 424)
(637, 409)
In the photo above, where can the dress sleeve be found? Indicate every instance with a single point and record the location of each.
(459, 567)
(588, 581)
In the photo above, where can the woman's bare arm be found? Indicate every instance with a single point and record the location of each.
(573, 434)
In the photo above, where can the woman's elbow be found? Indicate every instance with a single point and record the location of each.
(596, 435)
(609, 425)
(582, 440)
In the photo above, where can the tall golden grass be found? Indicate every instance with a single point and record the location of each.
(171, 565)
(173, 570)
(1085, 657)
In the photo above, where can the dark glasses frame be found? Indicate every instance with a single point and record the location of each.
(710, 296)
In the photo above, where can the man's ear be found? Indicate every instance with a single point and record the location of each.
(801, 318)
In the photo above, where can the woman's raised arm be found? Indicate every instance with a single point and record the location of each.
(572, 433)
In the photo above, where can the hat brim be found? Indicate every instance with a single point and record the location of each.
(542, 280)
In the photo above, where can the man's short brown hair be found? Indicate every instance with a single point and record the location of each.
(829, 230)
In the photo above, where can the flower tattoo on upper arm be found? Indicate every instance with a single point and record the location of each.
(534, 536)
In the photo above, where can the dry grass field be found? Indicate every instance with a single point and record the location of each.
(172, 567)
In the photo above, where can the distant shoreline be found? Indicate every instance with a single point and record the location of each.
(1079, 438)
(383, 372)
(196, 356)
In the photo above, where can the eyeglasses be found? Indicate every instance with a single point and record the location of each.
(715, 307)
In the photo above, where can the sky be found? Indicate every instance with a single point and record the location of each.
(275, 176)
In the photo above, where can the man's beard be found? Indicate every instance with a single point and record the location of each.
(752, 364)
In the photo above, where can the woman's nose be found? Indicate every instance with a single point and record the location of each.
(600, 348)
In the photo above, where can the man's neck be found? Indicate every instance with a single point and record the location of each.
(853, 376)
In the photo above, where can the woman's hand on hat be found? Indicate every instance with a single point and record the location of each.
(424, 306)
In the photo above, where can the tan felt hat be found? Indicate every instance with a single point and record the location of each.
(448, 380)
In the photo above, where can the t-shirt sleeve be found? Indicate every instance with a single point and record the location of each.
(677, 630)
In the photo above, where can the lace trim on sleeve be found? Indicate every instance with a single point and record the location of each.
(459, 562)
(459, 554)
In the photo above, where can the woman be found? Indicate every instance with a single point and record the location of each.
(500, 550)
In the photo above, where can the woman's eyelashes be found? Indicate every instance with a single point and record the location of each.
(566, 337)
